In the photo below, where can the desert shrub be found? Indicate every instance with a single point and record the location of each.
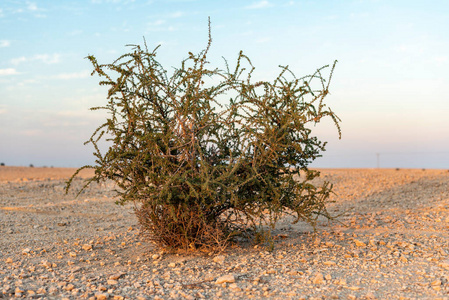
(206, 153)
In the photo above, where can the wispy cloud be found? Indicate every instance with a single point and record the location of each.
(9, 71)
(32, 6)
(4, 43)
(48, 59)
(259, 5)
(410, 49)
(45, 58)
(157, 22)
(177, 14)
(263, 40)
(441, 59)
(18, 60)
(159, 25)
(75, 75)
(75, 32)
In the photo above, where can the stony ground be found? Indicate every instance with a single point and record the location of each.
(392, 242)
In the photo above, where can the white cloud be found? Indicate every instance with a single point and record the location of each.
(75, 75)
(410, 49)
(9, 71)
(263, 40)
(441, 59)
(4, 43)
(32, 6)
(45, 58)
(48, 59)
(18, 60)
(158, 26)
(75, 32)
(176, 14)
(260, 4)
(157, 22)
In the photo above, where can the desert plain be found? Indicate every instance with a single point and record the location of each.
(391, 241)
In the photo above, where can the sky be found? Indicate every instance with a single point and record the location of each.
(389, 86)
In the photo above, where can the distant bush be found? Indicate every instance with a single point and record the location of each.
(2, 164)
(206, 153)
(31, 166)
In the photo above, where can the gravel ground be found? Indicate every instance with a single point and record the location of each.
(391, 242)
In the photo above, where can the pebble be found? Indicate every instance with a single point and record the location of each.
(359, 243)
(219, 259)
(86, 247)
(225, 278)
(101, 296)
(116, 276)
(318, 279)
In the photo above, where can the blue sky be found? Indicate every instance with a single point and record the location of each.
(389, 87)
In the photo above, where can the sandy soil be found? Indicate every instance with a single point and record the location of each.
(391, 242)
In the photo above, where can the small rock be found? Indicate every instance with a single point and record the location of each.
(359, 243)
(46, 264)
(69, 287)
(86, 247)
(436, 283)
(155, 256)
(444, 264)
(234, 287)
(209, 277)
(318, 279)
(219, 259)
(112, 281)
(329, 263)
(53, 290)
(72, 254)
(26, 251)
(9, 260)
(117, 297)
(102, 288)
(116, 276)
(41, 291)
(225, 278)
(172, 265)
(101, 296)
